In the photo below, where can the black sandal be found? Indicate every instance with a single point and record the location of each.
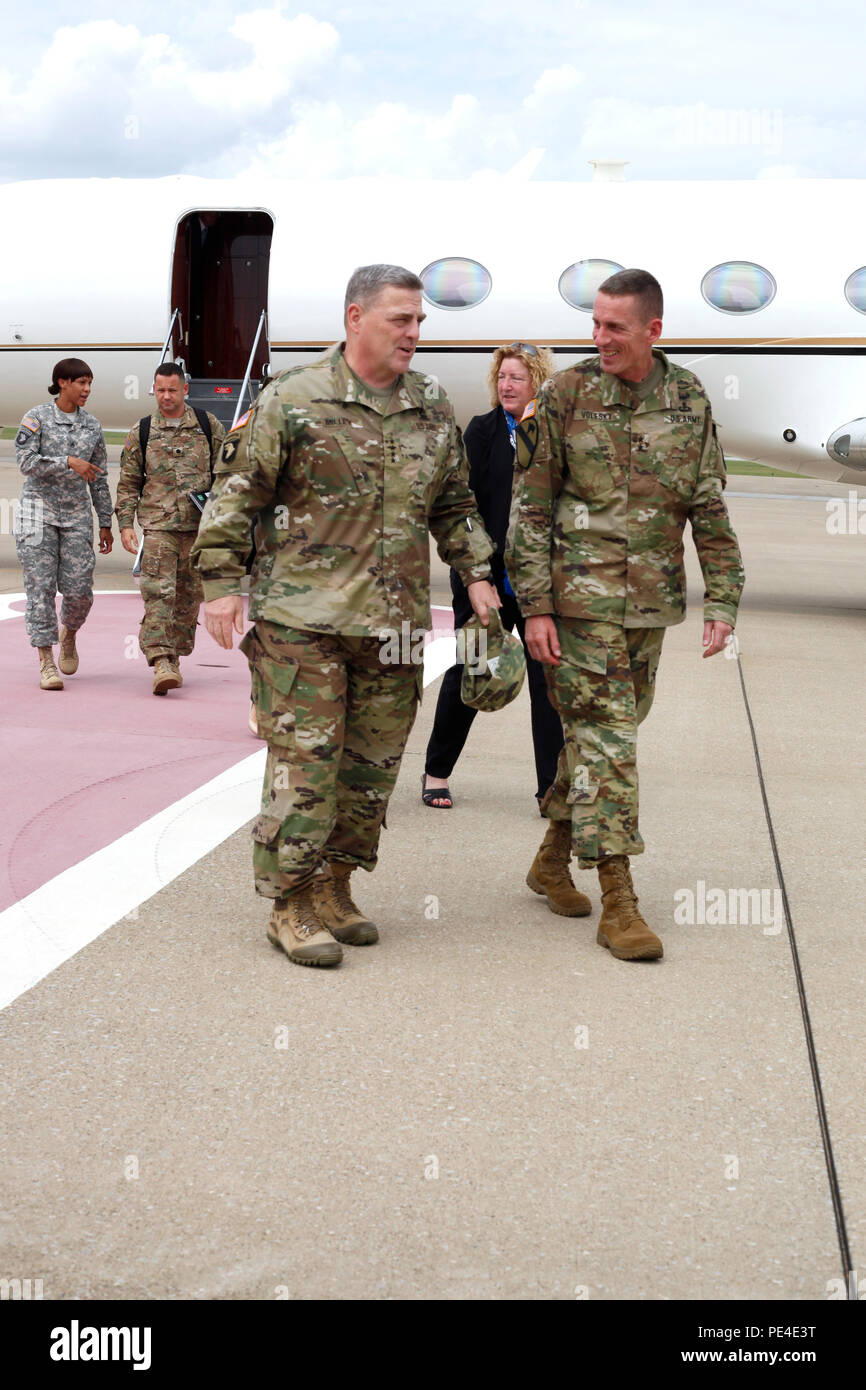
(430, 795)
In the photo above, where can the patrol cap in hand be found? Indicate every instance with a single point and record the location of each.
(492, 683)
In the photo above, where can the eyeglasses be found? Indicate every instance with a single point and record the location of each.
(525, 347)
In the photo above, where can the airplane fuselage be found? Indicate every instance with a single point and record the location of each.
(100, 280)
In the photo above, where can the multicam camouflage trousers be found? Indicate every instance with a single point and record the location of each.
(61, 558)
(336, 721)
(603, 689)
(171, 589)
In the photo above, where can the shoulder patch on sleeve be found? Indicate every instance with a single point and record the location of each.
(128, 441)
(529, 411)
(242, 421)
(29, 423)
(527, 442)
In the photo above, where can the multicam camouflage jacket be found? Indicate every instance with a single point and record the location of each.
(177, 463)
(604, 484)
(46, 438)
(347, 486)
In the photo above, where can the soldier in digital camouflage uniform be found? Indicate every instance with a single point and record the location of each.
(177, 462)
(61, 451)
(349, 463)
(613, 458)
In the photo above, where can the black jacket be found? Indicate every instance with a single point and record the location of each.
(491, 471)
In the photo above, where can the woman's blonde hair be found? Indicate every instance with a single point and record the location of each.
(539, 363)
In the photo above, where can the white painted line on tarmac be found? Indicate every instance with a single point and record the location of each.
(6, 609)
(6, 600)
(57, 920)
(64, 915)
(787, 496)
(438, 656)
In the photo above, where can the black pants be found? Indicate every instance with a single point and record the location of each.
(453, 719)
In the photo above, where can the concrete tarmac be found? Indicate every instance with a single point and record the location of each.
(487, 1105)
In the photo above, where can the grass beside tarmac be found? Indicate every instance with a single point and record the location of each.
(111, 436)
(759, 470)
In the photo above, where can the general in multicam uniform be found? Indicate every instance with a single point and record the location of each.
(61, 451)
(613, 458)
(349, 464)
(177, 461)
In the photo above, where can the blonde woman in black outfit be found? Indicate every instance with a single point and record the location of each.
(516, 375)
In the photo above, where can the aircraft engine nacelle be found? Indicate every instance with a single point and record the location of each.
(847, 445)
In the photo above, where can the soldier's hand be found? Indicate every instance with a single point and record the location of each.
(716, 634)
(84, 468)
(483, 597)
(221, 616)
(542, 639)
(106, 540)
(128, 540)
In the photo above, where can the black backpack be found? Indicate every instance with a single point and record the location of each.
(144, 436)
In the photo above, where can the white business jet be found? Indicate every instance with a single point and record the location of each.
(764, 283)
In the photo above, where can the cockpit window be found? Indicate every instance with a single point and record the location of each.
(738, 287)
(455, 282)
(580, 283)
(855, 289)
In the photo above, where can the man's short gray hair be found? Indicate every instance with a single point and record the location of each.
(368, 281)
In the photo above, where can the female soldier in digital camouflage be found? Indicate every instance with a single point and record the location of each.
(61, 452)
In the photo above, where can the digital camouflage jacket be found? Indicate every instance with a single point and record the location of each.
(46, 438)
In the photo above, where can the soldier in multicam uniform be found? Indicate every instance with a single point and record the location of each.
(177, 461)
(615, 456)
(349, 464)
(61, 451)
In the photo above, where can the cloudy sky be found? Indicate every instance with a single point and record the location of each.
(736, 89)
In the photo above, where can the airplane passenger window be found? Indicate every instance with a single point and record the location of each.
(580, 283)
(455, 283)
(855, 289)
(738, 287)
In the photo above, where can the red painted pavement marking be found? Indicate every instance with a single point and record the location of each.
(87, 764)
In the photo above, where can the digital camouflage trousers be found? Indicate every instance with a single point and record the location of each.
(336, 720)
(603, 689)
(172, 592)
(55, 558)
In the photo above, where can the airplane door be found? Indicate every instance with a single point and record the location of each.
(220, 284)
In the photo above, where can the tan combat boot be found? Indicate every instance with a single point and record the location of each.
(296, 928)
(68, 654)
(622, 929)
(164, 677)
(48, 676)
(550, 876)
(174, 663)
(336, 909)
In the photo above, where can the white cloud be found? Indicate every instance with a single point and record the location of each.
(283, 50)
(526, 167)
(786, 171)
(553, 82)
(717, 142)
(447, 90)
(96, 76)
(327, 142)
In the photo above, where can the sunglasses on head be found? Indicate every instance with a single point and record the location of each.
(525, 347)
